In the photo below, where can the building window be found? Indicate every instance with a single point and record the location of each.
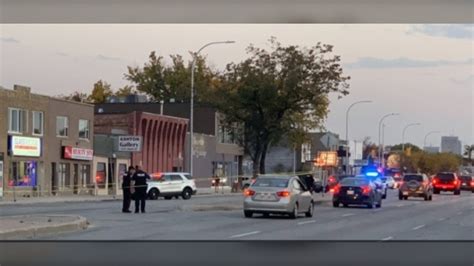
(24, 173)
(62, 126)
(100, 175)
(83, 129)
(63, 175)
(86, 175)
(38, 123)
(16, 120)
(224, 135)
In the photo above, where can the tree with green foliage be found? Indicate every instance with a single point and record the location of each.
(431, 163)
(398, 147)
(125, 91)
(100, 92)
(279, 92)
(165, 82)
(75, 96)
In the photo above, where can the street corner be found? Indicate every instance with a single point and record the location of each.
(26, 227)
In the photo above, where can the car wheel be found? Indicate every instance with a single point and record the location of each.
(294, 213)
(266, 215)
(310, 211)
(384, 196)
(426, 197)
(371, 205)
(457, 192)
(436, 191)
(335, 204)
(153, 194)
(431, 197)
(405, 197)
(248, 214)
(168, 197)
(186, 194)
(378, 205)
(472, 191)
(345, 205)
(400, 196)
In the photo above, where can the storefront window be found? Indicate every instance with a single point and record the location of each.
(24, 173)
(63, 175)
(100, 175)
(85, 175)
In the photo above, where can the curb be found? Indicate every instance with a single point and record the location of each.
(38, 231)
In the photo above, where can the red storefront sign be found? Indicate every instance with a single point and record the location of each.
(78, 153)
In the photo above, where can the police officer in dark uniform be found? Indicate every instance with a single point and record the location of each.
(140, 178)
(127, 194)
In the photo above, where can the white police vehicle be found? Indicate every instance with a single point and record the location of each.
(171, 184)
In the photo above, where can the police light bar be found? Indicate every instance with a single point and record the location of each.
(372, 174)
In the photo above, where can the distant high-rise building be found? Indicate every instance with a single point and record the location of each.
(451, 144)
(431, 149)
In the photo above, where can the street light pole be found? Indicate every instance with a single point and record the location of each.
(191, 117)
(347, 130)
(380, 125)
(429, 133)
(403, 134)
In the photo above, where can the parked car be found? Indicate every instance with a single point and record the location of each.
(415, 185)
(467, 183)
(169, 185)
(357, 190)
(446, 181)
(278, 195)
(389, 181)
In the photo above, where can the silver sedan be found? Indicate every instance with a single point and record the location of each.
(278, 195)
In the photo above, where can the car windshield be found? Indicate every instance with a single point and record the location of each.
(188, 176)
(418, 178)
(271, 182)
(445, 176)
(354, 182)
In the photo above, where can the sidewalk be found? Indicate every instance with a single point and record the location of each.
(62, 199)
(32, 226)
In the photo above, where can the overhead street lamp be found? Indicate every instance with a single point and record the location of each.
(380, 125)
(403, 134)
(191, 118)
(426, 136)
(347, 130)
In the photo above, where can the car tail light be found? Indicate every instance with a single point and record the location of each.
(283, 194)
(472, 183)
(366, 190)
(332, 179)
(249, 192)
(435, 181)
(336, 189)
(455, 182)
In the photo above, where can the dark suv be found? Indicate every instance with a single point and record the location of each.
(446, 181)
(415, 185)
(467, 183)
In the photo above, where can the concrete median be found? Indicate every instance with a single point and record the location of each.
(33, 226)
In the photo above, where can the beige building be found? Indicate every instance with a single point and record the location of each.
(45, 145)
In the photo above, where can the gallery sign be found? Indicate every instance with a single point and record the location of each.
(25, 146)
(130, 143)
(78, 153)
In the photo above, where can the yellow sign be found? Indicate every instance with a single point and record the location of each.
(326, 158)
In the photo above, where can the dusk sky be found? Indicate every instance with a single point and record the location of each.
(424, 72)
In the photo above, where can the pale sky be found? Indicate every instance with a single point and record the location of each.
(424, 72)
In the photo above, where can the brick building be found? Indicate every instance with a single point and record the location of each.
(45, 144)
(163, 137)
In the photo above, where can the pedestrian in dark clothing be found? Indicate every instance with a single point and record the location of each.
(140, 178)
(126, 188)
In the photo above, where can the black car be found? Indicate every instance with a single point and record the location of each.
(311, 184)
(357, 191)
(467, 183)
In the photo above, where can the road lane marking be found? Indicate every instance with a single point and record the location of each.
(442, 219)
(387, 238)
(245, 234)
(418, 227)
(400, 205)
(306, 222)
(347, 215)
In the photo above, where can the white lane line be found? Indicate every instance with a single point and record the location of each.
(418, 227)
(400, 205)
(245, 234)
(387, 238)
(347, 215)
(442, 219)
(307, 222)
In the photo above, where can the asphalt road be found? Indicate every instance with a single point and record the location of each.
(447, 217)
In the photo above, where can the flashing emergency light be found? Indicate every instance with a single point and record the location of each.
(372, 174)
